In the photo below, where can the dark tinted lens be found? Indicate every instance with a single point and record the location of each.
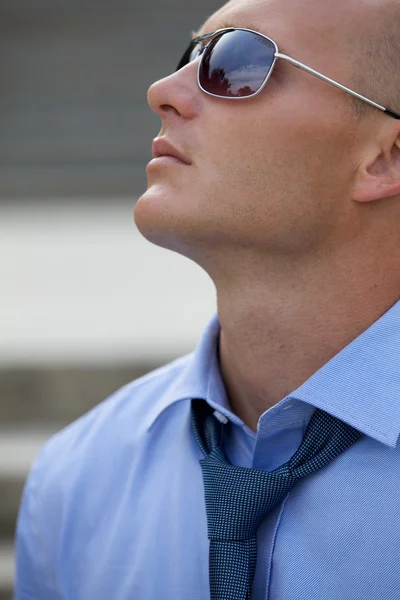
(191, 53)
(236, 64)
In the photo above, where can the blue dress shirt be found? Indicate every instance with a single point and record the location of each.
(113, 508)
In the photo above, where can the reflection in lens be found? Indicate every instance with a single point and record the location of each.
(236, 63)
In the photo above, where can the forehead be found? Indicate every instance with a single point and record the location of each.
(304, 12)
(303, 27)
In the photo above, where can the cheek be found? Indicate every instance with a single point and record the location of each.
(248, 155)
(283, 180)
(247, 163)
(236, 155)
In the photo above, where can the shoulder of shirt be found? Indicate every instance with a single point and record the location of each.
(126, 414)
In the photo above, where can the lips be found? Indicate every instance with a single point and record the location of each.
(163, 148)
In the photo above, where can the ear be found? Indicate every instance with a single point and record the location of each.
(379, 177)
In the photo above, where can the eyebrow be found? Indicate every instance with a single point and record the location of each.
(196, 34)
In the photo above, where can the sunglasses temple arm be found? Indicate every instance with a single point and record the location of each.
(335, 83)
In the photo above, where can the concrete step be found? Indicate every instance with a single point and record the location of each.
(73, 110)
(6, 570)
(43, 397)
(81, 286)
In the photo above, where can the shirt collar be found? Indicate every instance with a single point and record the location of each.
(196, 375)
(360, 385)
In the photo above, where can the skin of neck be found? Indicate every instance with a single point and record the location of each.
(281, 325)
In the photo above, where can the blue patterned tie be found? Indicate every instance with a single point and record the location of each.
(238, 498)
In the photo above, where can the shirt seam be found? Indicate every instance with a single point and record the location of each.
(347, 414)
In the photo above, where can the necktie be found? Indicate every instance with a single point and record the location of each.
(237, 498)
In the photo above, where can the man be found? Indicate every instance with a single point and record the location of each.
(285, 188)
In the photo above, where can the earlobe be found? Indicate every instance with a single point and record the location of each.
(379, 178)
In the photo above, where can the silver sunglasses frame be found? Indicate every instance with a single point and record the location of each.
(277, 55)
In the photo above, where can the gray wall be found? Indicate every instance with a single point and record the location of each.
(73, 79)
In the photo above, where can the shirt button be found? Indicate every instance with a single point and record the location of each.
(221, 418)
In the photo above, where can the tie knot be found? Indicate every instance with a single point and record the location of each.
(237, 499)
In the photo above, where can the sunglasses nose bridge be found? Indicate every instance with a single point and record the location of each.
(200, 54)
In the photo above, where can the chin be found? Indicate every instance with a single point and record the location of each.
(186, 222)
(161, 216)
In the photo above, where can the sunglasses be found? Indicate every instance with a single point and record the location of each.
(236, 63)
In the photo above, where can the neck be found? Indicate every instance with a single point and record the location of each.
(275, 336)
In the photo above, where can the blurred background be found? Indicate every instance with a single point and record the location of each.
(87, 304)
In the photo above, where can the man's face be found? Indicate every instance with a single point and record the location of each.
(272, 173)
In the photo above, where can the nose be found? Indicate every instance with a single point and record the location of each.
(177, 95)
